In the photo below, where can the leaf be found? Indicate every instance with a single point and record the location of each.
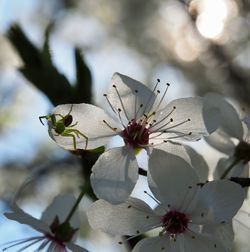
(82, 90)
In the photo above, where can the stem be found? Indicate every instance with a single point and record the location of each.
(142, 172)
(75, 206)
(236, 161)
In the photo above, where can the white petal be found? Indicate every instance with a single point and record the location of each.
(223, 232)
(114, 174)
(20, 216)
(247, 122)
(89, 119)
(218, 202)
(221, 141)
(130, 218)
(171, 179)
(175, 149)
(230, 121)
(155, 244)
(193, 115)
(60, 207)
(75, 248)
(239, 170)
(126, 87)
(198, 163)
(201, 242)
(189, 155)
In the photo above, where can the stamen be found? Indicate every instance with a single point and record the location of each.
(136, 91)
(153, 198)
(164, 118)
(164, 125)
(42, 246)
(33, 240)
(112, 128)
(111, 106)
(178, 124)
(120, 118)
(183, 135)
(125, 113)
(141, 105)
(164, 94)
(151, 96)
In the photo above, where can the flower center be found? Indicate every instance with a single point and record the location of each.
(242, 151)
(53, 239)
(135, 134)
(175, 222)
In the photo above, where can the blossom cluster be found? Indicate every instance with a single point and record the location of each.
(191, 212)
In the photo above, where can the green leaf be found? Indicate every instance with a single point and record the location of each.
(46, 53)
(37, 70)
(82, 90)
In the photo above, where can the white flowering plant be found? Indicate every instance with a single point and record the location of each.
(191, 211)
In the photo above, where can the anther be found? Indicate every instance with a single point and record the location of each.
(114, 86)
(112, 128)
(158, 80)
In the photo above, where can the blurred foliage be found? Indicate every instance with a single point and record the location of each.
(40, 71)
(163, 34)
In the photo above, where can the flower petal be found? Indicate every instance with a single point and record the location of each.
(239, 170)
(189, 155)
(198, 163)
(171, 179)
(132, 93)
(202, 242)
(130, 218)
(218, 202)
(89, 122)
(189, 118)
(60, 207)
(75, 248)
(230, 121)
(20, 216)
(114, 174)
(223, 232)
(221, 142)
(156, 244)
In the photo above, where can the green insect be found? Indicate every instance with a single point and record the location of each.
(64, 126)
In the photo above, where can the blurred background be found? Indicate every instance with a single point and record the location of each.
(62, 51)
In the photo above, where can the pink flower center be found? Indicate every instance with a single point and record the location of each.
(53, 239)
(135, 135)
(175, 222)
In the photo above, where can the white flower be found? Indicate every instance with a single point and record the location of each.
(142, 120)
(190, 217)
(55, 236)
(231, 138)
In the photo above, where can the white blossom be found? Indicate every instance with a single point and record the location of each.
(189, 216)
(232, 138)
(143, 120)
(54, 237)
